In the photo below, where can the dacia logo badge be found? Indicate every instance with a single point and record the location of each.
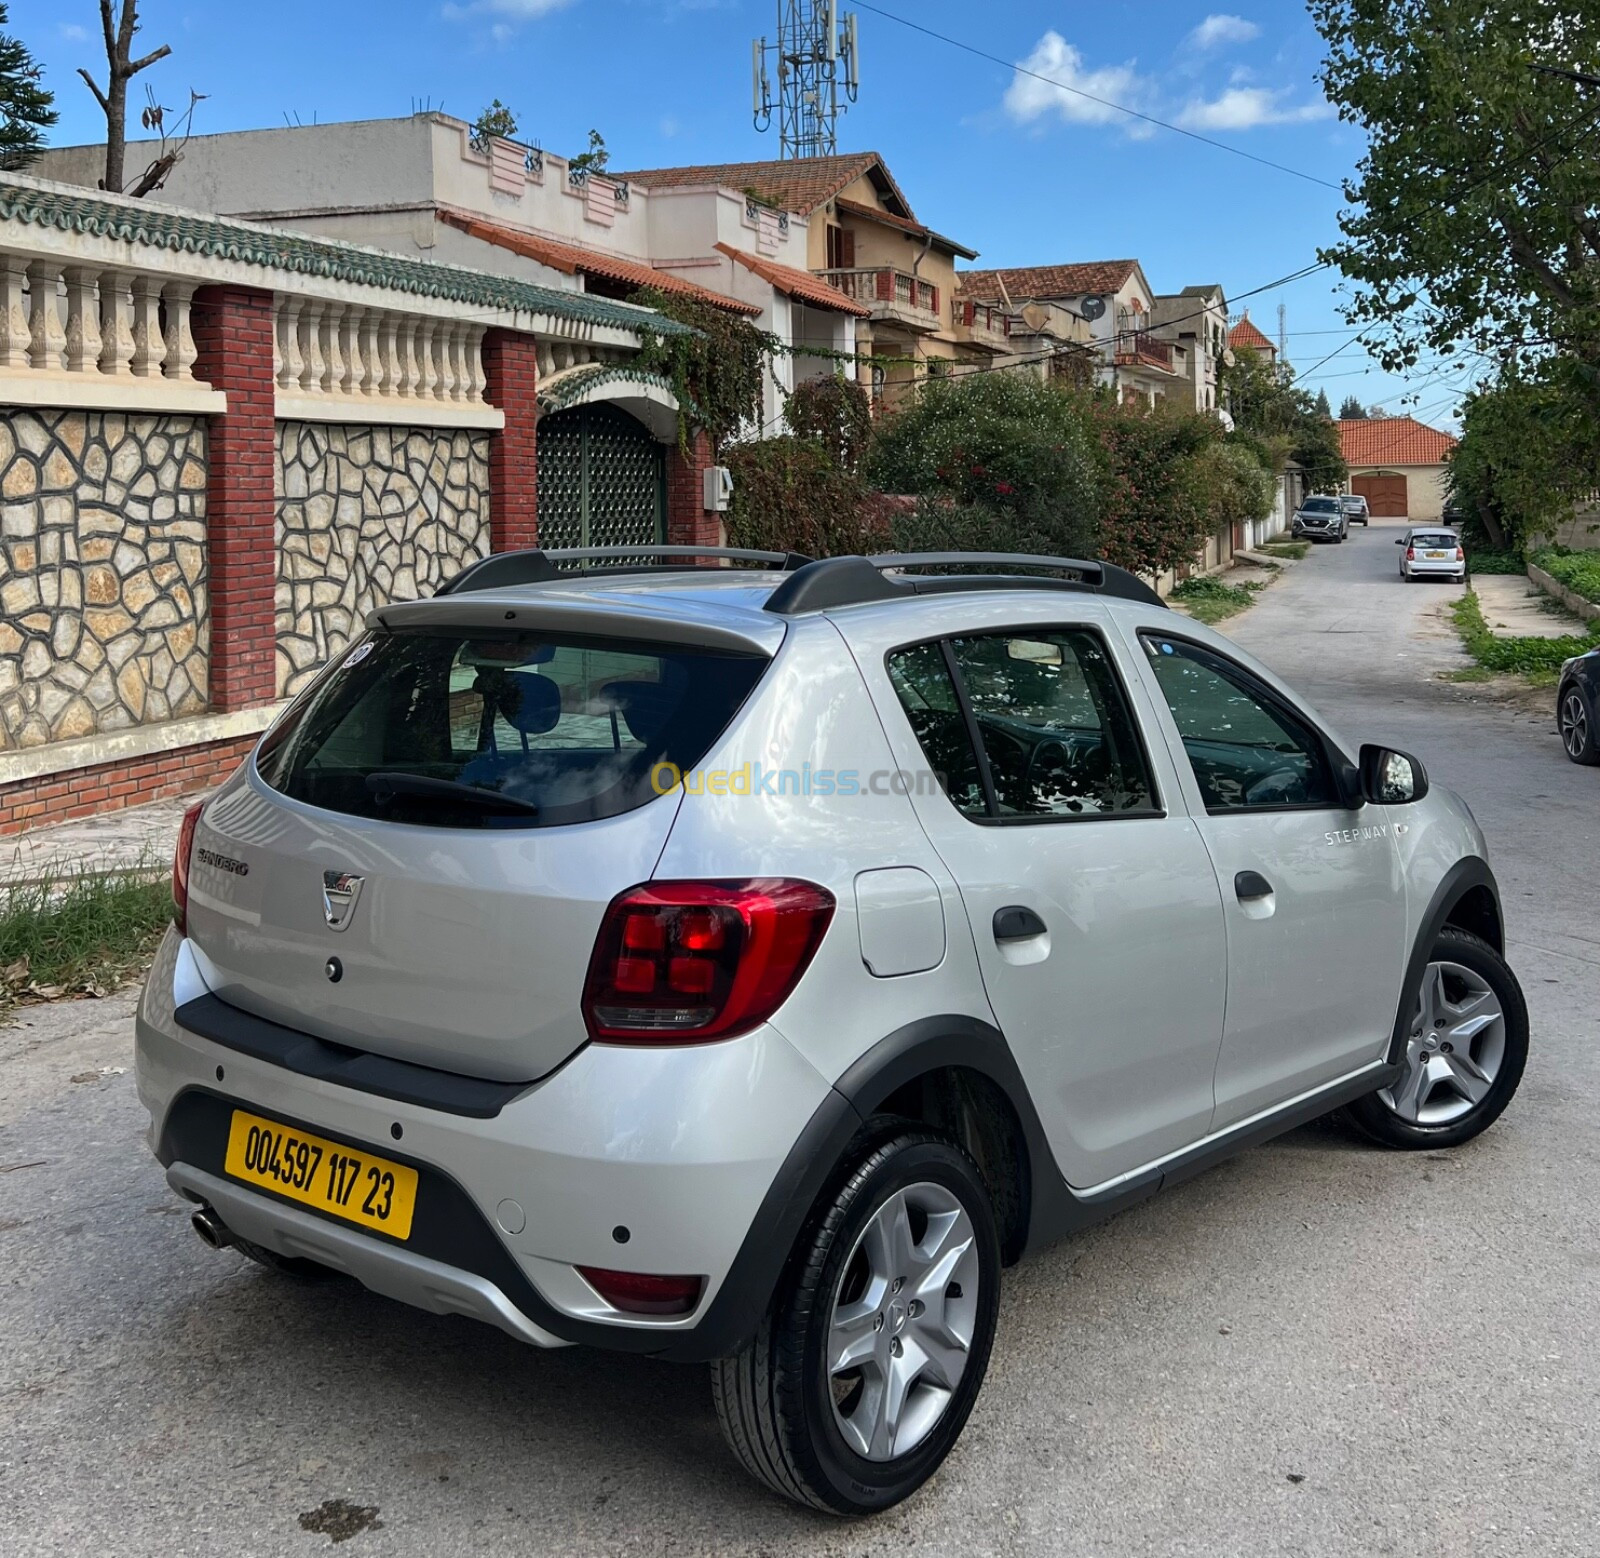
(340, 890)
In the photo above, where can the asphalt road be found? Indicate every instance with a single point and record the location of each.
(1320, 1348)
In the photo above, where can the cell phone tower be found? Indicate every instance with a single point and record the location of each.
(818, 56)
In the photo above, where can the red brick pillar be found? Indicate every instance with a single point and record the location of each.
(233, 333)
(688, 522)
(510, 371)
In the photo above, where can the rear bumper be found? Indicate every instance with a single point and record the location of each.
(676, 1146)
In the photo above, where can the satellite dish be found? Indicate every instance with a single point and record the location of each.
(1228, 359)
(1092, 308)
(1035, 316)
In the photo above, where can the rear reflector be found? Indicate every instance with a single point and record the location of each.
(685, 962)
(180, 867)
(639, 1294)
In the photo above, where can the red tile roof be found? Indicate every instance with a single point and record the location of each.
(1393, 441)
(571, 260)
(798, 184)
(1246, 335)
(798, 284)
(1031, 282)
(902, 224)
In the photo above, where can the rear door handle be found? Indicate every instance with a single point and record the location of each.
(1251, 885)
(1016, 923)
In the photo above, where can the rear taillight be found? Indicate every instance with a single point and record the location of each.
(1411, 554)
(684, 962)
(180, 867)
(1461, 556)
(639, 1294)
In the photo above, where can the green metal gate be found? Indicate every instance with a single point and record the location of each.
(602, 479)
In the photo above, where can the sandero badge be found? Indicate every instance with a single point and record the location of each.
(340, 890)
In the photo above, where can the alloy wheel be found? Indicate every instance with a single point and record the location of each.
(904, 1315)
(1574, 724)
(1455, 1049)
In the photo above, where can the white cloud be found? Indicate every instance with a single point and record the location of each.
(73, 33)
(515, 10)
(1215, 31)
(1244, 108)
(1029, 99)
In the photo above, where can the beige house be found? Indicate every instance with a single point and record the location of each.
(1113, 299)
(864, 240)
(1195, 319)
(1399, 465)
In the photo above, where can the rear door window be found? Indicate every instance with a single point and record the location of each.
(1058, 740)
(450, 728)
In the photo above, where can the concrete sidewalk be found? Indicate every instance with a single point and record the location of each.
(1515, 607)
(136, 836)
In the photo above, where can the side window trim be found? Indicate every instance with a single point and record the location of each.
(1141, 755)
(1253, 687)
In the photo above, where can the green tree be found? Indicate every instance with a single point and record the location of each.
(1323, 408)
(1528, 452)
(595, 160)
(1351, 409)
(1004, 459)
(25, 106)
(495, 123)
(1475, 220)
(1265, 403)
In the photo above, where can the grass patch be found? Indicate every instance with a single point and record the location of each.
(1208, 599)
(79, 932)
(1579, 571)
(1486, 560)
(1293, 550)
(1537, 658)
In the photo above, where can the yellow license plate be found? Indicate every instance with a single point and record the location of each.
(357, 1186)
(1433, 554)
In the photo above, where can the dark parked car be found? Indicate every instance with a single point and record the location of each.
(1578, 705)
(1320, 519)
(1355, 508)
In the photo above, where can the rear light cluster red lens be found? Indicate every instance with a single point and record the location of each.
(685, 962)
(1411, 554)
(180, 867)
(640, 1294)
(1461, 556)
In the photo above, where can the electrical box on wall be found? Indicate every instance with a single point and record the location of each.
(719, 489)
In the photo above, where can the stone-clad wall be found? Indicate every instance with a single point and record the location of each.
(103, 585)
(368, 515)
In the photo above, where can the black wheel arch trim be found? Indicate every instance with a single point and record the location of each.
(1465, 876)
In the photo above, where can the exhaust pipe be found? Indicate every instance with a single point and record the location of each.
(214, 1233)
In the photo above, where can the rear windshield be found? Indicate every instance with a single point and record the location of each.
(481, 729)
(1433, 538)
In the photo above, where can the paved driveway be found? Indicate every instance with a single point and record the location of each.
(1319, 1348)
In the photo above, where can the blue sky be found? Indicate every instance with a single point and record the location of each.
(1009, 165)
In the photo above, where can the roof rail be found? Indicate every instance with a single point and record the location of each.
(851, 581)
(535, 565)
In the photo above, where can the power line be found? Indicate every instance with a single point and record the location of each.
(1104, 102)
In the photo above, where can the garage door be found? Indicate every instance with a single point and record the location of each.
(601, 479)
(1385, 495)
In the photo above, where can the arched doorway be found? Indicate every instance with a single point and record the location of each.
(602, 479)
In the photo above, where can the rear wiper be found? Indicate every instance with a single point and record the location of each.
(385, 786)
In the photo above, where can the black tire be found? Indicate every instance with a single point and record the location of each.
(775, 1400)
(1377, 1119)
(1580, 745)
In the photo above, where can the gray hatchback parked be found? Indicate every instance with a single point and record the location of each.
(745, 963)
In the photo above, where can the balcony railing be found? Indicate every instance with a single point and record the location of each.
(890, 294)
(1135, 348)
(982, 324)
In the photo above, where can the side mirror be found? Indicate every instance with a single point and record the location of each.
(1399, 540)
(1390, 778)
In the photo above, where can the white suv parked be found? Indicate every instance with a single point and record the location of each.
(745, 964)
